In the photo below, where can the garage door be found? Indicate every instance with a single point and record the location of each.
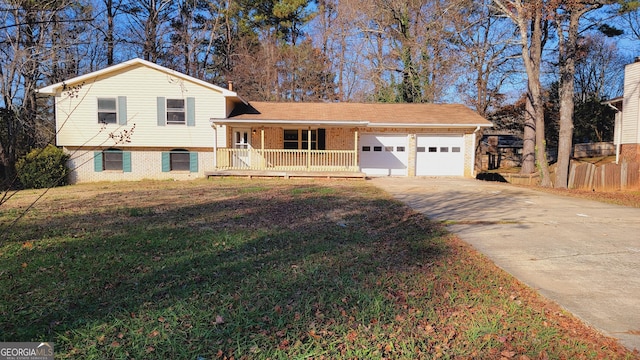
(383, 155)
(440, 155)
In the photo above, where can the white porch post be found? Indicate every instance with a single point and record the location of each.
(309, 147)
(215, 146)
(355, 145)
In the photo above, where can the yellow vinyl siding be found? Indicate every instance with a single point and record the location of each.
(77, 121)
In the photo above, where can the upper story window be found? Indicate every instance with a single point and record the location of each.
(107, 111)
(175, 111)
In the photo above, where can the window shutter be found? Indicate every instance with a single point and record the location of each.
(162, 112)
(322, 143)
(97, 161)
(126, 161)
(193, 162)
(166, 162)
(191, 111)
(122, 110)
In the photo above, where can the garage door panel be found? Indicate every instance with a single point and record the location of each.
(383, 155)
(440, 155)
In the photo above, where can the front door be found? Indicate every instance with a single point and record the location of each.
(242, 144)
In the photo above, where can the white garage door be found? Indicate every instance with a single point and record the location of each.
(440, 155)
(384, 155)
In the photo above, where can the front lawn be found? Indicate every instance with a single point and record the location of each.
(279, 269)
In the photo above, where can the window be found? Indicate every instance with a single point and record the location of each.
(112, 160)
(179, 160)
(366, 148)
(400, 149)
(444, 149)
(175, 111)
(298, 139)
(377, 148)
(388, 148)
(107, 111)
(291, 139)
(420, 149)
(455, 149)
(433, 149)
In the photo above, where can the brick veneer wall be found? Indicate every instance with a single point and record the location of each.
(630, 152)
(145, 164)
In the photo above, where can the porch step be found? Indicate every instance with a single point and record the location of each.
(287, 174)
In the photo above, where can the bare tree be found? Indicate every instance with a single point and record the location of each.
(149, 26)
(567, 19)
(35, 45)
(529, 17)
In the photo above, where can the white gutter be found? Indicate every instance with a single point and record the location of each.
(412, 125)
(288, 122)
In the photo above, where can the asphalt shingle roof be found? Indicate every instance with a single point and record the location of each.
(374, 113)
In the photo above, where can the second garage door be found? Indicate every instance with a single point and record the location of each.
(440, 155)
(384, 155)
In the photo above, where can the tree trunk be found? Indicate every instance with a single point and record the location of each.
(528, 165)
(567, 46)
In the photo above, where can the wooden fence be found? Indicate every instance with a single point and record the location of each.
(587, 176)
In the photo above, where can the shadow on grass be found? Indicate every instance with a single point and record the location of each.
(278, 272)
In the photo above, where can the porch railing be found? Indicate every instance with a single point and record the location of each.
(286, 160)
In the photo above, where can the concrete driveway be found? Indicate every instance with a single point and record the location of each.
(582, 254)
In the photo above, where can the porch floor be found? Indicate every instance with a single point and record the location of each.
(287, 174)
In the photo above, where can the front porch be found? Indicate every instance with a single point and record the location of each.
(285, 160)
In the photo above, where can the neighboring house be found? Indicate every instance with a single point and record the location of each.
(139, 120)
(626, 136)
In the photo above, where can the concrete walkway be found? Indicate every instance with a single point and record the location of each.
(582, 254)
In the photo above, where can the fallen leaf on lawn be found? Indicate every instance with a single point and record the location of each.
(313, 334)
(120, 335)
(115, 344)
(24, 265)
(27, 245)
(150, 349)
(219, 320)
(161, 319)
(352, 336)
(508, 354)
(283, 344)
(153, 334)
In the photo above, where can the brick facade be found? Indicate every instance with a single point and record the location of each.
(145, 164)
(630, 152)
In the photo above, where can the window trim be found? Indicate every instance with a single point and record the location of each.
(114, 111)
(105, 161)
(174, 110)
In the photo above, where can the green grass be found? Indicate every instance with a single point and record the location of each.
(236, 268)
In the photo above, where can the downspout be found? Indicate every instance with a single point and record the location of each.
(619, 135)
(473, 154)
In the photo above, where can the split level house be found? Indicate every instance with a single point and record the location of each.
(138, 120)
(626, 135)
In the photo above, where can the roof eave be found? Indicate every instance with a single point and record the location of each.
(418, 125)
(214, 121)
(53, 89)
